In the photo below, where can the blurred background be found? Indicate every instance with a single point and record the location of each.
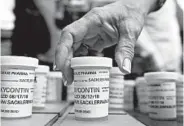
(32, 28)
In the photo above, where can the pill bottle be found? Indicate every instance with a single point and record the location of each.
(70, 93)
(142, 93)
(91, 87)
(17, 84)
(54, 87)
(162, 95)
(116, 89)
(39, 95)
(179, 98)
(129, 95)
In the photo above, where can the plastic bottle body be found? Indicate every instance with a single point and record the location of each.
(91, 87)
(179, 98)
(142, 93)
(91, 93)
(17, 86)
(54, 87)
(39, 96)
(116, 89)
(162, 96)
(129, 95)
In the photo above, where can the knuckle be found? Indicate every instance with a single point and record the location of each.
(64, 46)
(71, 28)
(75, 29)
(126, 49)
(126, 46)
(136, 24)
(95, 16)
(131, 29)
(66, 29)
(57, 50)
(96, 10)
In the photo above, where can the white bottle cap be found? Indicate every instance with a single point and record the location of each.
(140, 81)
(42, 69)
(20, 61)
(129, 82)
(180, 80)
(116, 71)
(55, 74)
(161, 76)
(90, 61)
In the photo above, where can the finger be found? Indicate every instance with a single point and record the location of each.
(104, 41)
(70, 35)
(110, 30)
(63, 55)
(86, 27)
(75, 33)
(62, 50)
(81, 51)
(99, 45)
(129, 31)
(95, 53)
(78, 29)
(68, 72)
(91, 41)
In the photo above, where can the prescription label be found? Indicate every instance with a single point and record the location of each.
(116, 93)
(179, 100)
(54, 90)
(70, 92)
(39, 90)
(17, 92)
(91, 93)
(162, 100)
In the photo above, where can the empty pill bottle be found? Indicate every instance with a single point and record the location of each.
(162, 95)
(39, 95)
(179, 98)
(54, 87)
(17, 86)
(91, 87)
(129, 95)
(116, 90)
(142, 94)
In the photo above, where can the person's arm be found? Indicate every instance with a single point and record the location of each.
(47, 9)
(149, 49)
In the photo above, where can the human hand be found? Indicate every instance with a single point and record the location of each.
(102, 27)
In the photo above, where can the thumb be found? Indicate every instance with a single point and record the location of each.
(129, 31)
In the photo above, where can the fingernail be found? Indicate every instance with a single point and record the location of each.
(127, 66)
(65, 83)
(54, 67)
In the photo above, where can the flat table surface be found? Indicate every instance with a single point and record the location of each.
(113, 120)
(116, 118)
(52, 108)
(62, 114)
(144, 118)
(34, 120)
